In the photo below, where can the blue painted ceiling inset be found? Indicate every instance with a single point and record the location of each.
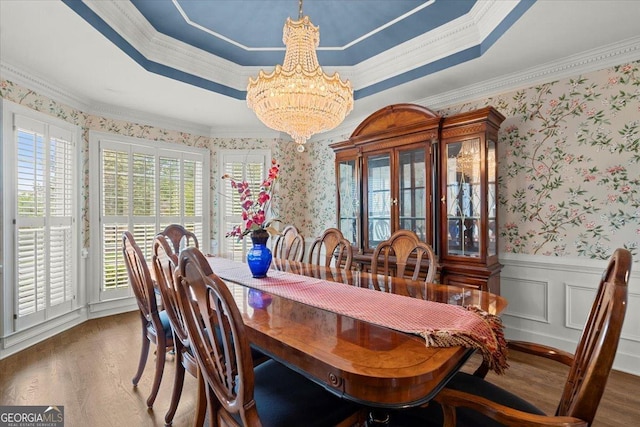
(258, 24)
(341, 22)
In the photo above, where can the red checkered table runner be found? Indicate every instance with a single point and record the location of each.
(442, 325)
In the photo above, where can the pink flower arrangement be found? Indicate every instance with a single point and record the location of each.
(254, 211)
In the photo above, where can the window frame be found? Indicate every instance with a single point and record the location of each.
(53, 128)
(99, 140)
(235, 156)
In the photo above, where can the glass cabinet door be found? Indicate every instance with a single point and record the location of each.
(349, 200)
(463, 187)
(379, 198)
(413, 192)
(492, 246)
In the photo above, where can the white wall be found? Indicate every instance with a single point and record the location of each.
(550, 298)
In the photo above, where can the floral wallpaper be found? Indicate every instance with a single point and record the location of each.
(569, 164)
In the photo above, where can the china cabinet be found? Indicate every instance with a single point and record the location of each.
(468, 251)
(385, 172)
(405, 167)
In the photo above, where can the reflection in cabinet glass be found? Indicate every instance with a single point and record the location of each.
(463, 197)
(469, 248)
(412, 174)
(379, 198)
(492, 247)
(348, 199)
(395, 176)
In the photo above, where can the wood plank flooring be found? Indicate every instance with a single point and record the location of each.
(88, 369)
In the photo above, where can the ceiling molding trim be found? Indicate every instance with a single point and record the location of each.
(70, 98)
(154, 67)
(246, 48)
(36, 83)
(126, 20)
(427, 54)
(585, 62)
(125, 26)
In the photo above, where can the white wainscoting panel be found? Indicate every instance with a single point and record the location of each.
(579, 302)
(550, 298)
(528, 299)
(631, 327)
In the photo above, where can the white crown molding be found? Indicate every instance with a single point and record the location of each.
(31, 80)
(455, 36)
(592, 60)
(129, 23)
(487, 15)
(451, 38)
(68, 97)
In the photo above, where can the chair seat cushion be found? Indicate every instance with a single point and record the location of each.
(432, 414)
(285, 398)
(256, 354)
(166, 324)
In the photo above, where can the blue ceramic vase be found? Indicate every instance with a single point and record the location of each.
(259, 256)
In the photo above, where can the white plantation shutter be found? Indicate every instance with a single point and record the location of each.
(251, 167)
(114, 270)
(143, 189)
(169, 187)
(115, 209)
(31, 275)
(46, 237)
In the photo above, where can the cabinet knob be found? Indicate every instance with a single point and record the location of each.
(443, 200)
(394, 201)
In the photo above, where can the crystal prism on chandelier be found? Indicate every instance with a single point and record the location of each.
(298, 97)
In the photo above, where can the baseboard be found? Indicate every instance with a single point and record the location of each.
(16, 342)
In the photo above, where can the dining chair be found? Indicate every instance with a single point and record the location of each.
(155, 323)
(289, 245)
(404, 255)
(331, 249)
(238, 393)
(470, 400)
(165, 262)
(175, 233)
(273, 226)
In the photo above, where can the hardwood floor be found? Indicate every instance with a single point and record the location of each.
(88, 369)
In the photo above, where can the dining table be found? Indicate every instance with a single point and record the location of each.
(323, 323)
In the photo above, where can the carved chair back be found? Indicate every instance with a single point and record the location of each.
(175, 233)
(331, 249)
(404, 255)
(289, 245)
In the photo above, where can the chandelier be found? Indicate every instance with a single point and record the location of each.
(468, 159)
(298, 97)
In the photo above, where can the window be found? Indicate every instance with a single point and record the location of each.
(41, 209)
(144, 186)
(251, 167)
